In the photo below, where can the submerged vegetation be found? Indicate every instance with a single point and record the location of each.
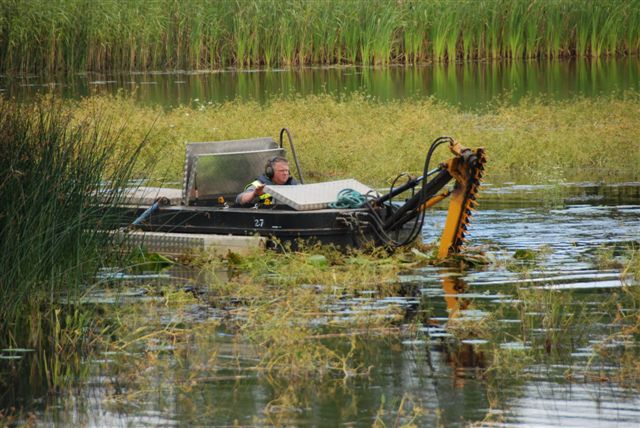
(537, 140)
(318, 317)
(78, 35)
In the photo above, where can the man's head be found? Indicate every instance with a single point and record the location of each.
(277, 170)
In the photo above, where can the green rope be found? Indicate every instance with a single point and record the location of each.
(349, 198)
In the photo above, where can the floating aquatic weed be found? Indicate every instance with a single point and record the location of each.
(525, 255)
(146, 339)
(317, 260)
(613, 255)
(141, 261)
(375, 130)
(404, 411)
(470, 258)
(472, 327)
(509, 360)
(524, 259)
(554, 322)
(281, 317)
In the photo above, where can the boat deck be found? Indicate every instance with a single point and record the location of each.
(146, 196)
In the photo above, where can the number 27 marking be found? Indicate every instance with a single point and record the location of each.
(258, 222)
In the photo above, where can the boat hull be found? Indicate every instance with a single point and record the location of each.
(341, 227)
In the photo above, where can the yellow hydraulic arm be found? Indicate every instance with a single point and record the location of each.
(467, 168)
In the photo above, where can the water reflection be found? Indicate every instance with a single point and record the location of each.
(465, 357)
(452, 286)
(468, 85)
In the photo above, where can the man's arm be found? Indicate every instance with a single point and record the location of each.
(250, 194)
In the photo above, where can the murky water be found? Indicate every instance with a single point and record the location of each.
(419, 371)
(470, 85)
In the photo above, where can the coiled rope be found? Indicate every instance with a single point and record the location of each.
(349, 198)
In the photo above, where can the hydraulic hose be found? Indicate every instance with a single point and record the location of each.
(293, 152)
(419, 222)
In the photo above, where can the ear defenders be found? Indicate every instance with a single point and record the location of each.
(268, 169)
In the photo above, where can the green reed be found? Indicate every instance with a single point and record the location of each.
(70, 35)
(442, 30)
(414, 33)
(326, 37)
(52, 164)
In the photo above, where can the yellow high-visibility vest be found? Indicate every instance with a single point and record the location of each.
(265, 198)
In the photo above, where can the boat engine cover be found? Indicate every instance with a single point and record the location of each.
(317, 196)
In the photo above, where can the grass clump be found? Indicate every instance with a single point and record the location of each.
(524, 260)
(554, 323)
(52, 164)
(633, 267)
(619, 256)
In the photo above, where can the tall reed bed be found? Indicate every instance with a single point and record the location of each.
(69, 35)
(52, 163)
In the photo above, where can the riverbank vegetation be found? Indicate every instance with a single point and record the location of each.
(538, 140)
(78, 35)
(51, 166)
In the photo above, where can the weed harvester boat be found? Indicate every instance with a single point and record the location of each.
(346, 213)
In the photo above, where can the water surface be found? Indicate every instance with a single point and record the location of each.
(420, 373)
(468, 85)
